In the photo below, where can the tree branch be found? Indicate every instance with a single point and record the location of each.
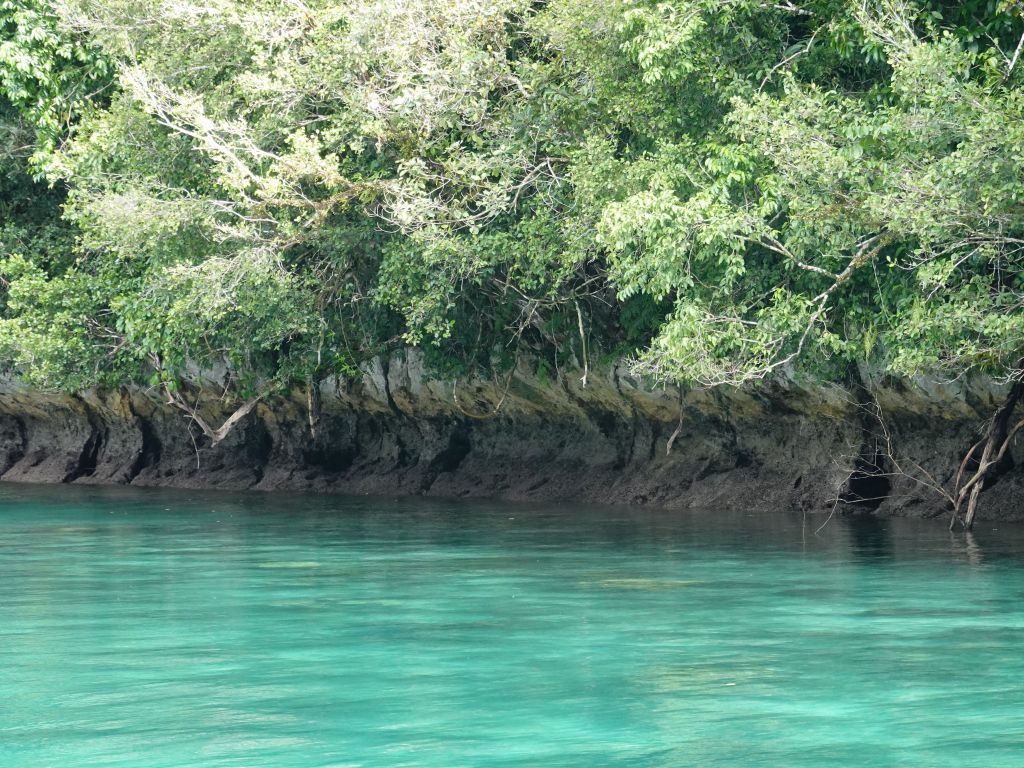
(216, 435)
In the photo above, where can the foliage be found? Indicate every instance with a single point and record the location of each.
(276, 191)
(47, 72)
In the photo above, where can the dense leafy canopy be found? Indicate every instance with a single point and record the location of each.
(720, 190)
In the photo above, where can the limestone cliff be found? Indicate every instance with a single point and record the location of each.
(397, 431)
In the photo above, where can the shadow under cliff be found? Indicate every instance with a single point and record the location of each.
(397, 431)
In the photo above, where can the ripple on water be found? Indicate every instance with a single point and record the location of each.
(172, 630)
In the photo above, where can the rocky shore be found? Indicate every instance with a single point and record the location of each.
(867, 448)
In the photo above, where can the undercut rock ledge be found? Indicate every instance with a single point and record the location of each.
(397, 431)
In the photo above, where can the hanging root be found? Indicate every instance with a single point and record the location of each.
(313, 406)
(994, 445)
(678, 429)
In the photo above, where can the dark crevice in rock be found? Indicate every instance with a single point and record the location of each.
(449, 459)
(706, 470)
(330, 458)
(605, 422)
(868, 486)
(403, 459)
(538, 485)
(259, 443)
(615, 430)
(15, 441)
(88, 457)
(870, 483)
(200, 440)
(635, 427)
(386, 371)
(149, 452)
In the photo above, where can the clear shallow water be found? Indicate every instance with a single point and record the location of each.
(154, 629)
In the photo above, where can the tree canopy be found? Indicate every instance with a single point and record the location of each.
(719, 191)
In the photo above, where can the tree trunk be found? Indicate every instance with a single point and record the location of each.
(992, 463)
(313, 406)
(215, 434)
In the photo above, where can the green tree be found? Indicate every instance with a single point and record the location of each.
(726, 191)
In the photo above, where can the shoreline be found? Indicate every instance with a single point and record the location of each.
(399, 432)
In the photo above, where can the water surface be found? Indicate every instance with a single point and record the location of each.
(150, 629)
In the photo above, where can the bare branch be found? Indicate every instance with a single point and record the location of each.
(216, 435)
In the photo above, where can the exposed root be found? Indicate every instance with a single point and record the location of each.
(216, 435)
(313, 406)
(992, 463)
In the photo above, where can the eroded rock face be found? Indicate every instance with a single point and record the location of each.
(398, 431)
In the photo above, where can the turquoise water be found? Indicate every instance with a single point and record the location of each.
(155, 629)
